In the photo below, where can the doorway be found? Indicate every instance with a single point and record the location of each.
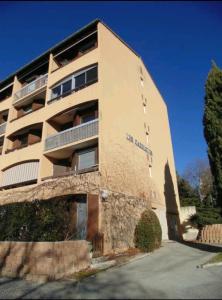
(81, 217)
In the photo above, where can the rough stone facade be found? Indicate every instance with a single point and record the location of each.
(43, 260)
(117, 215)
(120, 215)
(75, 184)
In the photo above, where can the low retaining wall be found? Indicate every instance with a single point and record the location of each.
(51, 260)
(185, 213)
(211, 234)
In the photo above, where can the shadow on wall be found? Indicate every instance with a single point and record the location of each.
(172, 213)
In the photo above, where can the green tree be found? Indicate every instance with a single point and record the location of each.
(212, 122)
(188, 195)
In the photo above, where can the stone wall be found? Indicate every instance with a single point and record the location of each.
(48, 260)
(120, 215)
(84, 183)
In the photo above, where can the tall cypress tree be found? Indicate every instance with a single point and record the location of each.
(212, 122)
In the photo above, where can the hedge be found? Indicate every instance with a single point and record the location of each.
(148, 233)
(45, 220)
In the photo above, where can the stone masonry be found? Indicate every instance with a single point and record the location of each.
(43, 260)
(75, 184)
(120, 215)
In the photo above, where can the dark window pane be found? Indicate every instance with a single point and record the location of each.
(91, 75)
(87, 118)
(87, 46)
(56, 92)
(67, 86)
(80, 80)
(24, 140)
(27, 108)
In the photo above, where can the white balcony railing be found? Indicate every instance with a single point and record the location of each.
(71, 135)
(2, 128)
(31, 87)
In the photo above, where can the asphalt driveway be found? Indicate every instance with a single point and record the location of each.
(170, 272)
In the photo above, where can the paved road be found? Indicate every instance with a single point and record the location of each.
(169, 272)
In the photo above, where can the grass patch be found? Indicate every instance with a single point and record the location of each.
(86, 273)
(217, 258)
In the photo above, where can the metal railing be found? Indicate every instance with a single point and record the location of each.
(2, 128)
(71, 135)
(31, 87)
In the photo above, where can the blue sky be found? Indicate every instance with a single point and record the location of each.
(176, 40)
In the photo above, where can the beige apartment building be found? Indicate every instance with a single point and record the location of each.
(85, 120)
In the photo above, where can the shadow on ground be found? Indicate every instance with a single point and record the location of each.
(203, 247)
(113, 286)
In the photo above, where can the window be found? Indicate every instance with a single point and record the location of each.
(27, 108)
(91, 75)
(67, 86)
(75, 82)
(80, 81)
(87, 46)
(150, 170)
(24, 140)
(87, 118)
(142, 81)
(56, 92)
(147, 137)
(144, 109)
(86, 159)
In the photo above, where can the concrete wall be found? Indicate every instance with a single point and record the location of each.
(161, 214)
(124, 166)
(38, 260)
(186, 212)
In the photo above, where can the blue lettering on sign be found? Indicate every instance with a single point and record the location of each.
(138, 144)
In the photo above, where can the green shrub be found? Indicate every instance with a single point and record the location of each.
(148, 233)
(206, 216)
(45, 220)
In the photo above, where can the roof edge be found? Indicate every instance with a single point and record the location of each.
(10, 76)
(100, 21)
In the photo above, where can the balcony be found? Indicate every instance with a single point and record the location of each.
(24, 137)
(74, 134)
(2, 128)
(31, 88)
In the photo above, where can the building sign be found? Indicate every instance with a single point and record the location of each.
(131, 139)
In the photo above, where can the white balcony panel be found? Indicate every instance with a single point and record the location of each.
(31, 88)
(71, 135)
(2, 128)
(20, 173)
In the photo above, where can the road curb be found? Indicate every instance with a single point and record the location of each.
(203, 266)
(129, 261)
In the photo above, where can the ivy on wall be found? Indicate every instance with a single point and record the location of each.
(46, 220)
